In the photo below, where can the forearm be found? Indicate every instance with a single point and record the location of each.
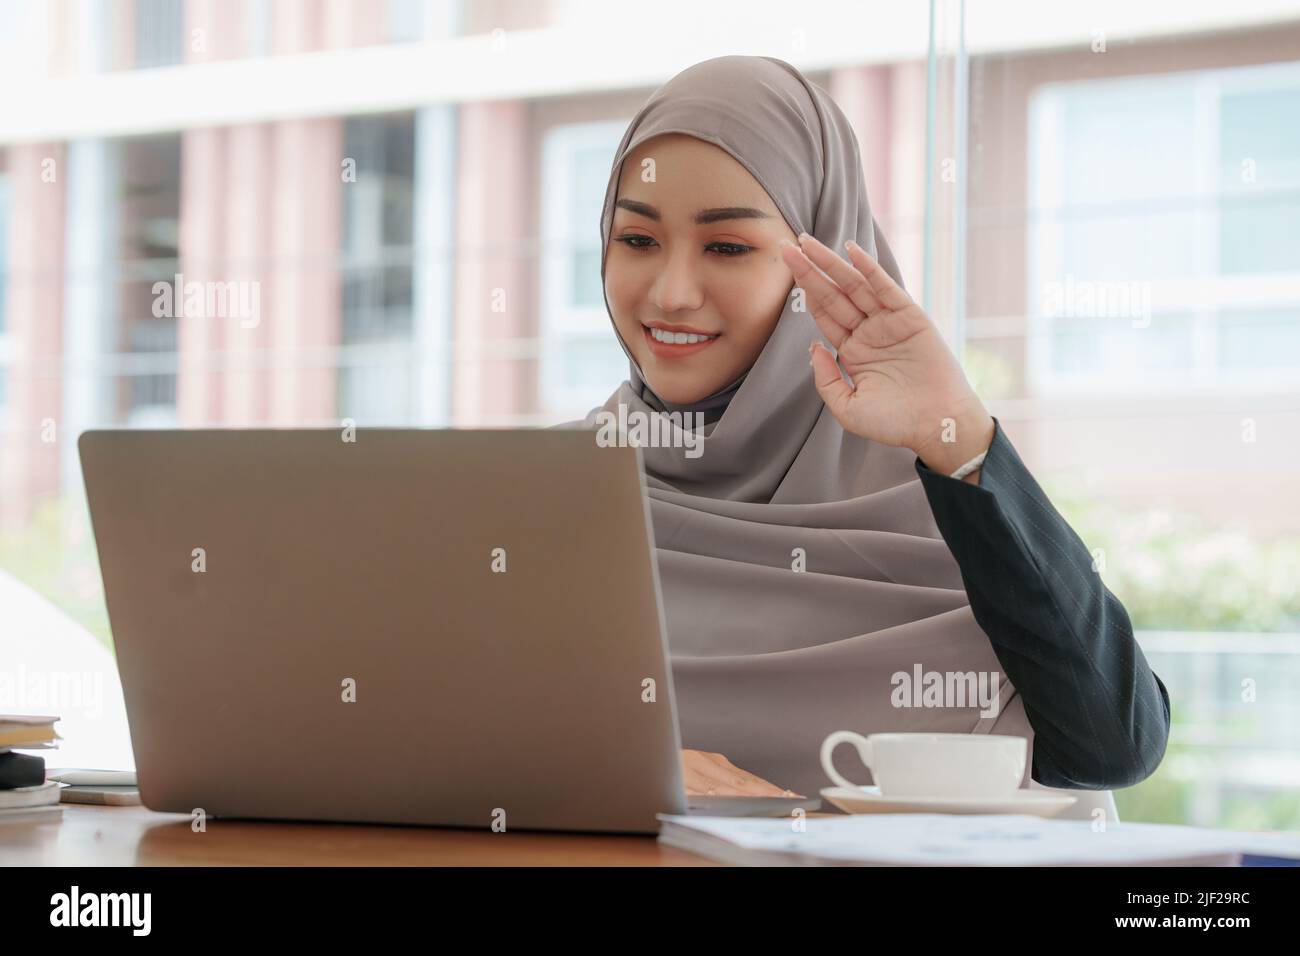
(1100, 715)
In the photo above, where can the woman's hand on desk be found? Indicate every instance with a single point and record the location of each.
(710, 774)
(906, 387)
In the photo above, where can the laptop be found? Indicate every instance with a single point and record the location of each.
(405, 626)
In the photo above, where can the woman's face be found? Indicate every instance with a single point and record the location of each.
(693, 258)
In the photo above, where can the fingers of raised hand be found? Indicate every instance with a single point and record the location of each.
(834, 314)
(829, 381)
(849, 280)
(889, 293)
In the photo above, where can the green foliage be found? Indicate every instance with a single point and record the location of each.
(989, 372)
(1171, 793)
(54, 555)
(1176, 572)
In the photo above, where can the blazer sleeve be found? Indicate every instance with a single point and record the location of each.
(1100, 714)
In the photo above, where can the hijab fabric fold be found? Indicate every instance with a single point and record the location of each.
(769, 657)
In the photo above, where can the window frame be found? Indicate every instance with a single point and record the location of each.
(391, 358)
(1205, 296)
(558, 318)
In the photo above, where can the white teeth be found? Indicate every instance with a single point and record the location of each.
(679, 338)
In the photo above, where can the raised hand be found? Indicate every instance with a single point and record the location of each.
(908, 389)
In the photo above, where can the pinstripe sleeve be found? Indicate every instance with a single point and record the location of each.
(1100, 714)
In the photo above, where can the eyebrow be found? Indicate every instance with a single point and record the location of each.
(702, 218)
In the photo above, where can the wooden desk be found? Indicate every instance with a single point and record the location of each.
(135, 836)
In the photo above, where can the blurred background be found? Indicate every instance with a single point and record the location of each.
(388, 211)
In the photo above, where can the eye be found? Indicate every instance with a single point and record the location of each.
(729, 249)
(635, 242)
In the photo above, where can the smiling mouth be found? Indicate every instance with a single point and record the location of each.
(670, 345)
(679, 338)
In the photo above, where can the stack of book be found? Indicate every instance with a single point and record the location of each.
(25, 794)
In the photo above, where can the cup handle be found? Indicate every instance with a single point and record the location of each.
(863, 746)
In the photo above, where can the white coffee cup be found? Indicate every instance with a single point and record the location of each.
(934, 765)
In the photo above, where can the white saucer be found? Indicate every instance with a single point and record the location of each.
(869, 800)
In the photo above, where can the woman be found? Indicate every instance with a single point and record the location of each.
(848, 530)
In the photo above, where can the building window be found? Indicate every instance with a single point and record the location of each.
(257, 28)
(1163, 252)
(150, 249)
(159, 33)
(403, 20)
(582, 362)
(376, 359)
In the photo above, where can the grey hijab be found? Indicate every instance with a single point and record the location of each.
(766, 659)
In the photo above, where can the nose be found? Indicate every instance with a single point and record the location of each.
(678, 288)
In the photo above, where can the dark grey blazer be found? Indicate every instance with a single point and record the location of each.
(1100, 714)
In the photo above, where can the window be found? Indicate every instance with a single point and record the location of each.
(257, 27)
(4, 288)
(150, 242)
(403, 20)
(159, 33)
(582, 361)
(1149, 271)
(376, 380)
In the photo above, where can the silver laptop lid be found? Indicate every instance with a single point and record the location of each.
(419, 626)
